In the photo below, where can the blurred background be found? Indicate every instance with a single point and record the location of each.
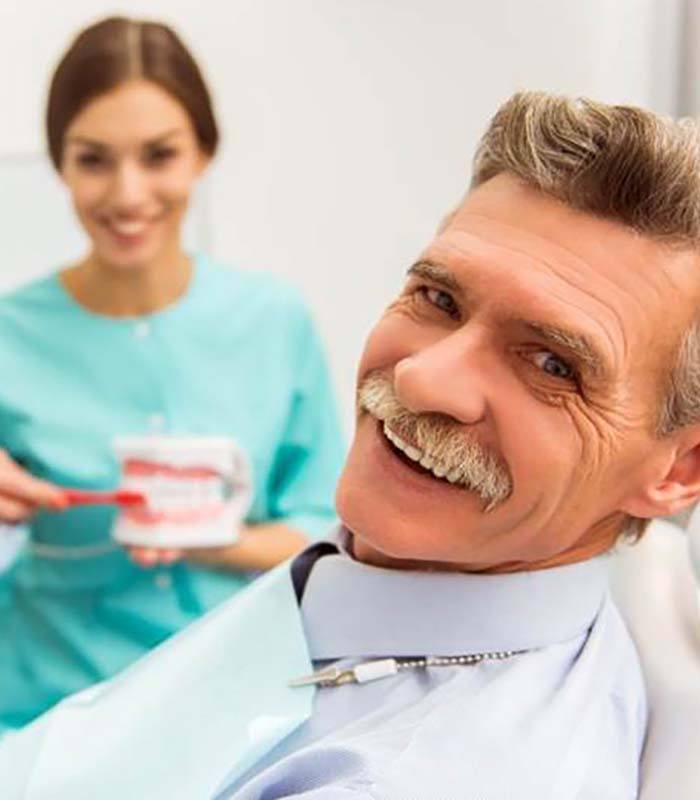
(348, 127)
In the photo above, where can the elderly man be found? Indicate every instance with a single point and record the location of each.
(532, 395)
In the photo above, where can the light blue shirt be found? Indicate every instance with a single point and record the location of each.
(566, 719)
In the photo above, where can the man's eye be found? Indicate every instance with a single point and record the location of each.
(554, 366)
(442, 300)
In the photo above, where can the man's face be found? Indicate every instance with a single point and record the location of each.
(524, 358)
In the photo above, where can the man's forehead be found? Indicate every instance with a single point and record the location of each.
(565, 263)
(534, 231)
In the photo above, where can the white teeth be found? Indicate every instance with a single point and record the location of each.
(413, 453)
(394, 439)
(166, 493)
(128, 228)
(440, 471)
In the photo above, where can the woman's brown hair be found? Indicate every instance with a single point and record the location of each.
(116, 50)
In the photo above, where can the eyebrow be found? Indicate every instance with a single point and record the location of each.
(577, 345)
(96, 143)
(431, 271)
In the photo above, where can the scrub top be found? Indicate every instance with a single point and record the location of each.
(237, 355)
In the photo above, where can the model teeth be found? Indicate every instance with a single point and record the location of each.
(426, 461)
(165, 494)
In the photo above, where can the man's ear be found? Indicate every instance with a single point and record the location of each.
(679, 484)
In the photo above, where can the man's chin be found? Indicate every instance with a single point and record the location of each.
(363, 550)
(400, 516)
(382, 537)
(402, 553)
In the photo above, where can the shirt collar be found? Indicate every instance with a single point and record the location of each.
(351, 609)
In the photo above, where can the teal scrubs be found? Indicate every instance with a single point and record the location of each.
(238, 355)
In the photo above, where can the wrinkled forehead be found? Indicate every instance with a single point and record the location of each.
(515, 245)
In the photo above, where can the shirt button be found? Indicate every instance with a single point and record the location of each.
(142, 329)
(163, 580)
(156, 422)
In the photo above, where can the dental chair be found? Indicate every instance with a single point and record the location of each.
(656, 590)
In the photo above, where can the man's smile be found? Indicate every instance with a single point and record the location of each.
(418, 460)
(407, 457)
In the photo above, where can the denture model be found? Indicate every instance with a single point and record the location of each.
(197, 490)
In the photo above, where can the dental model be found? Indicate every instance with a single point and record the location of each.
(197, 491)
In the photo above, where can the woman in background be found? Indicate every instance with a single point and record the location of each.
(141, 337)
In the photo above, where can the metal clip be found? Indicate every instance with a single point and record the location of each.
(361, 673)
(331, 676)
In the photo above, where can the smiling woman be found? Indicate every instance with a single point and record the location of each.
(131, 182)
(139, 337)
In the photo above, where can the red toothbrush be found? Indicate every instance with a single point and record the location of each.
(119, 497)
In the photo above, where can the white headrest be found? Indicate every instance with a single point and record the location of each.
(656, 591)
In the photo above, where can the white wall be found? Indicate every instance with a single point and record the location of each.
(349, 124)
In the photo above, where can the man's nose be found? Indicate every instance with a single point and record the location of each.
(129, 188)
(447, 377)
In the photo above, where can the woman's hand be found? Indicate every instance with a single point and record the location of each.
(259, 547)
(154, 556)
(22, 495)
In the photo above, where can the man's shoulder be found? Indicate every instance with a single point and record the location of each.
(624, 680)
(616, 637)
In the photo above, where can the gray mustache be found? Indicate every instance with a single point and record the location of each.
(438, 436)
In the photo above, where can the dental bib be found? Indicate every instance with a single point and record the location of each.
(204, 706)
